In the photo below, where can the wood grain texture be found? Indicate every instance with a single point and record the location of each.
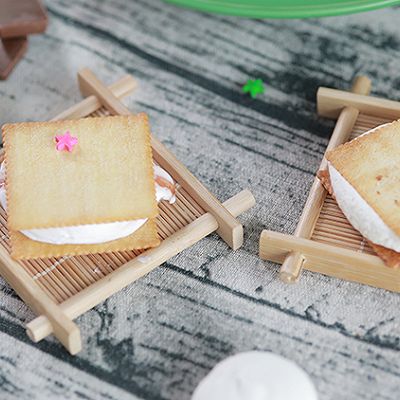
(159, 337)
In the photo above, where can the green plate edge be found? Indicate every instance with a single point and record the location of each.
(271, 10)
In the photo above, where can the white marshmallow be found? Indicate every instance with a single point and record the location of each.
(91, 233)
(256, 375)
(359, 213)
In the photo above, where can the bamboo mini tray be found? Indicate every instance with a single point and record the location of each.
(61, 289)
(324, 241)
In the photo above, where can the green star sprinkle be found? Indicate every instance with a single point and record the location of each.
(254, 87)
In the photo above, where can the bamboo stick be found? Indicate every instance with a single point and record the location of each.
(44, 285)
(230, 230)
(139, 266)
(331, 260)
(292, 265)
(361, 85)
(188, 203)
(62, 326)
(122, 88)
(330, 102)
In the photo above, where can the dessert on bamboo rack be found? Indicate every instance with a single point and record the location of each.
(362, 176)
(96, 227)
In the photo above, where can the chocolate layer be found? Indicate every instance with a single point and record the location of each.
(11, 51)
(21, 18)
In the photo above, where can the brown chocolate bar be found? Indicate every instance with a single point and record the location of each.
(21, 18)
(11, 51)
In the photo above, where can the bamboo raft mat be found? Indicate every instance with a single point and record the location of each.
(332, 226)
(324, 241)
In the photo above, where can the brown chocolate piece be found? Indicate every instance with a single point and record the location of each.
(21, 18)
(11, 51)
(323, 176)
(390, 257)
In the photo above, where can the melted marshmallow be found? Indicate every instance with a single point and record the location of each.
(92, 233)
(256, 375)
(359, 213)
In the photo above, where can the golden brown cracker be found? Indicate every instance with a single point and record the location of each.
(370, 164)
(24, 248)
(108, 177)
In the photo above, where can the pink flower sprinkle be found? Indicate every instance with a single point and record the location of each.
(66, 142)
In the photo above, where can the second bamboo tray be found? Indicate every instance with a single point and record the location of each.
(324, 241)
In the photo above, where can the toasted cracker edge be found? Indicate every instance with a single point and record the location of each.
(390, 257)
(23, 248)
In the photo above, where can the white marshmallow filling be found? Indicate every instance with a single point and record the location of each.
(92, 233)
(359, 213)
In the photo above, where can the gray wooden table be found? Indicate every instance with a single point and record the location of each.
(160, 336)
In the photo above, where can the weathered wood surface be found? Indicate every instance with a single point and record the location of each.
(160, 336)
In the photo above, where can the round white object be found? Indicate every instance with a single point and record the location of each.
(256, 375)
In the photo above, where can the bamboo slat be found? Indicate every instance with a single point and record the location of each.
(331, 102)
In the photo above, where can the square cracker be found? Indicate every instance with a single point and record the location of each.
(23, 248)
(108, 176)
(370, 164)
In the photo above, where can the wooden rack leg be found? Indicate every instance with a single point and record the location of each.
(66, 331)
(293, 263)
(230, 230)
(41, 327)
